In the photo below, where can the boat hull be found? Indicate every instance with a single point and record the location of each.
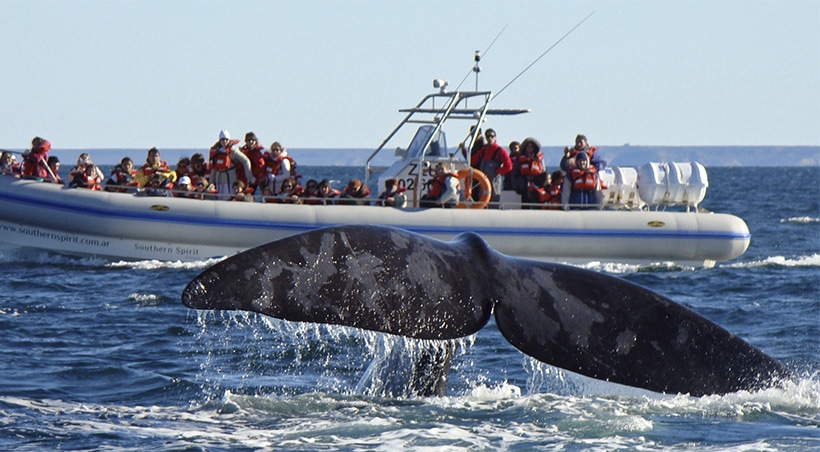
(125, 226)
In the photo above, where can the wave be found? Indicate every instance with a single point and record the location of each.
(801, 220)
(779, 261)
(157, 265)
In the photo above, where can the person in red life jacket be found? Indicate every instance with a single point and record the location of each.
(123, 178)
(9, 165)
(581, 145)
(257, 157)
(585, 184)
(443, 189)
(393, 195)
(225, 157)
(355, 194)
(155, 172)
(183, 167)
(54, 166)
(82, 162)
(529, 163)
(183, 187)
(89, 179)
(311, 193)
(510, 181)
(203, 190)
(555, 189)
(240, 192)
(327, 194)
(279, 166)
(494, 161)
(199, 169)
(291, 192)
(35, 160)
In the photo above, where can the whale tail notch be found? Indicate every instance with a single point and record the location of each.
(394, 281)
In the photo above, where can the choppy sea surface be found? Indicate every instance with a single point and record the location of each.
(100, 354)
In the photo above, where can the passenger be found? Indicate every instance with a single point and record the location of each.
(225, 157)
(530, 164)
(256, 155)
(267, 195)
(279, 166)
(183, 167)
(291, 192)
(35, 160)
(327, 194)
(183, 187)
(54, 165)
(515, 151)
(494, 161)
(311, 193)
(538, 189)
(581, 145)
(443, 188)
(393, 195)
(155, 173)
(355, 194)
(555, 189)
(89, 179)
(82, 162)
(585, 183)
(9, 165)
(124, 177)
(199, 169)
(203, 190)
(478, 144)
(240, 192)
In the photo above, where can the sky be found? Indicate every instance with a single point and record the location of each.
(333, 74)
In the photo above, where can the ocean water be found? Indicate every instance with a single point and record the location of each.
(102, 355)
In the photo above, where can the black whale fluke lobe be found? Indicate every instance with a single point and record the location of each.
(393, 281)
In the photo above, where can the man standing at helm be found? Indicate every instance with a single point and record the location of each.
(225, 156)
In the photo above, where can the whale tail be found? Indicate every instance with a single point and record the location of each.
(394, 281)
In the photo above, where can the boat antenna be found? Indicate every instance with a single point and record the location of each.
(545, 52)
(477, 58)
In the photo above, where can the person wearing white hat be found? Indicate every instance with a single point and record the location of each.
(225, 155)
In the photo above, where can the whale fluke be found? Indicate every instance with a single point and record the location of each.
(393, 281)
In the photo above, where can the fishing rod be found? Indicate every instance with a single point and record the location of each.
(542, 55)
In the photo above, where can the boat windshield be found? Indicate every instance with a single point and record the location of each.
(438, 145)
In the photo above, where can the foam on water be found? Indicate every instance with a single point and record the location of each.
(779, 261)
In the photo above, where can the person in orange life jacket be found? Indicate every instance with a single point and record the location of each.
(9, 164)
(183, 187)
(225, 157)
(239, 192)
(355, 194)
(257, 156)
(585, 183)
(123, 177)
(35, 160)
(155, 172)
(82, 161)
(530, 163)
(54, 164)
(581, 145)
(443, 188)
(199, 169)
(291, 192)
(202, 190)
(494, 161)
(393, 195)
(311, 193)
(89, 179)
(183, 166)
(279, 166)
(327, 193)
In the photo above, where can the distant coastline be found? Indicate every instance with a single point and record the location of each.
(621, 155)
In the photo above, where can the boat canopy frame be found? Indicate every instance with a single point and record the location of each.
(454, 105)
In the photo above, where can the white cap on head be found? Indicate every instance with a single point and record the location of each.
(184, 180)
(224, 134)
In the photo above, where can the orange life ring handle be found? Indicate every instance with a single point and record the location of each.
(466, 178)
